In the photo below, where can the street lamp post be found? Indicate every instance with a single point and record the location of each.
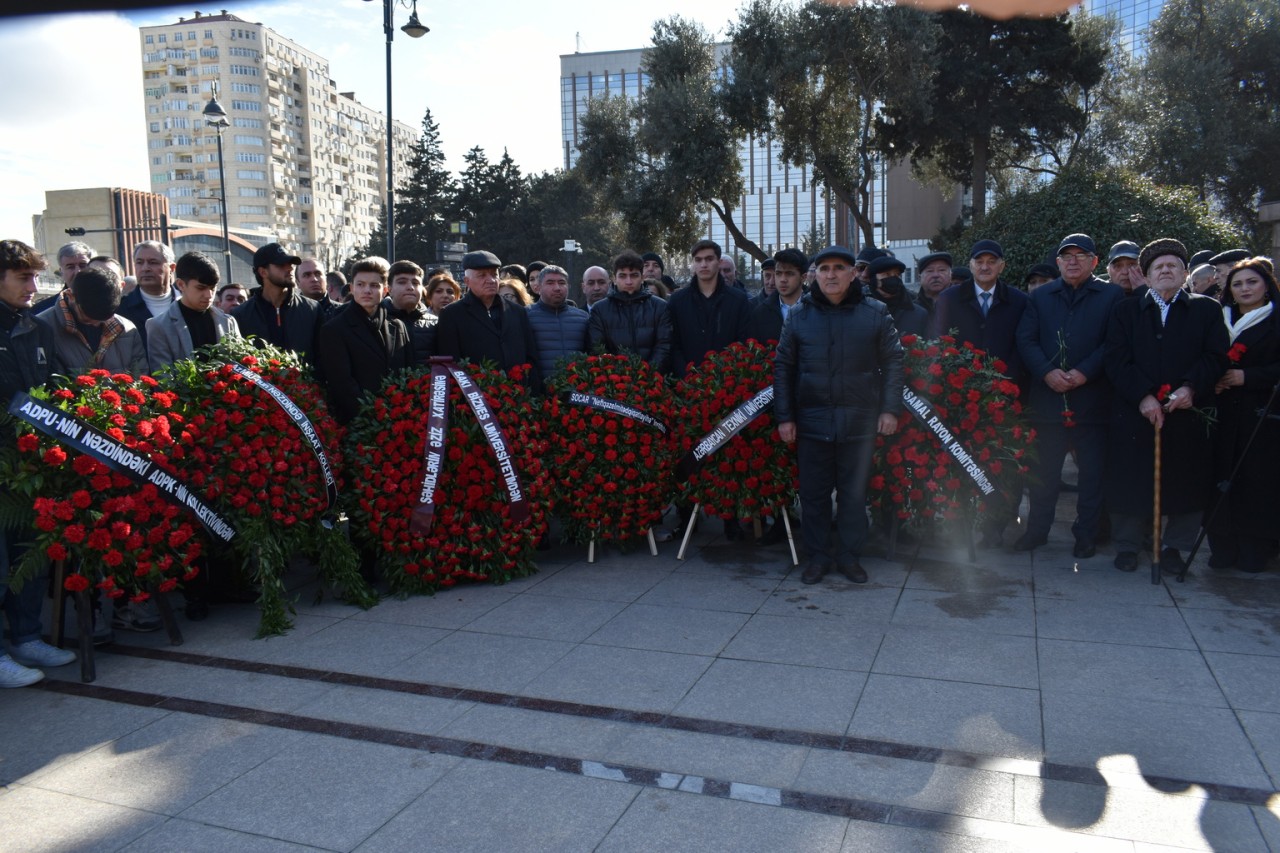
(215, 116)
(414, 29)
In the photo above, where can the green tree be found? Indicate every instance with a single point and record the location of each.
(672, 154)
(489, 199)
(1002, 94)
(813, 77)
(1208, 103)
(423, 198)
(1108, 205)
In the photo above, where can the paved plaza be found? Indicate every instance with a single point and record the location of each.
(1019, 702)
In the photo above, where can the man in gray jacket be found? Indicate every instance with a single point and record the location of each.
(837, 382)
(87, 331)
(192, 321)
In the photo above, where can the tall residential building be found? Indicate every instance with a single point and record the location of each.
(304, 162)
(780, 207)
(1135, 18)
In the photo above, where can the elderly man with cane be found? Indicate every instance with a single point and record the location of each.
(1165, 351)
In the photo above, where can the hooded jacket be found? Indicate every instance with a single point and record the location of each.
(638, 323)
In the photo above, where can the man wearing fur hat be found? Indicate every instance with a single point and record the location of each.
(1165, 349)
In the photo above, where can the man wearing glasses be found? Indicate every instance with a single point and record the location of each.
(1061, 339)
(192, 321)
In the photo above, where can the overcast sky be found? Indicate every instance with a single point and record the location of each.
(72, 106)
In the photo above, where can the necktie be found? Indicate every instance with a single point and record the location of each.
(986, 303)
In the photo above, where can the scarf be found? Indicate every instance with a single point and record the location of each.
(111, 329)
(1248, 320)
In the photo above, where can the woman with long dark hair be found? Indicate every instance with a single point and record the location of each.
(1244, 531)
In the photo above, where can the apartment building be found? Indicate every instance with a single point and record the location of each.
(304, 162)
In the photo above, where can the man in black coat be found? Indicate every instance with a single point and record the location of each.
(405, 302)
(276, 313)
(887, 285)
(770, 312)
(985, 312)
(837, 383)
(1165, 351)
(482, 327)
(708, 315)
(1062, 337)
(362, 344)
(631, 319)
(934, 271)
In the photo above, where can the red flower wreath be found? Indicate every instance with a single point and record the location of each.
(755, 472)
(241, 450)
(472, 536)
(914, 476)
(612, 473)
(119, 535)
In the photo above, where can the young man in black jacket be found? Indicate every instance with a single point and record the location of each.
(276, 312)
(631, 319)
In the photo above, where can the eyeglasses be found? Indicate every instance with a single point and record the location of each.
(1074, 257)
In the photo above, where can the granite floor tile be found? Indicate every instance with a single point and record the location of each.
(979, 718)
(635, 679)
(1057, 583)
(711, 591)
(999, 614)
(1132, 624)
(1246, 632)
(169, 764)
(865, 836)
(670, 820)
(57, 729)
(235, 637)
(546, 617)
(917, 784)
(603, 582)
(714, 756)
(770, 694)
(958, 655)
(350, 789)
(1166, 739)
(402, 712)
(482, 661)
(836, 644)
(449, 608)
(486, 807)
(36, 820)
(1183, 820)
(538, 731)
(368, 648)
(1268, 820)
(1176, 676)
(1250, 682)
(984, 577)
(1212, 590)
(191, 837)
(1263, 730)
(831, 601)
(670, 629)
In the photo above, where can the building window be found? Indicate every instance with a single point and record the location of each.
(150, 40)
(208, 34)
(161, 38)
(251, 174)
(243, 156)
(253, 192)
(247, 139)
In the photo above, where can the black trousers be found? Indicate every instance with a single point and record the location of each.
(845, 468)
(1053, 441)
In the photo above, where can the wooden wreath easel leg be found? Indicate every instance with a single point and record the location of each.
(1155, 521)
(688, 531)
(791, 542)
(653, 543)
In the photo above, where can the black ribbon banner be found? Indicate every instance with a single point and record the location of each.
(303, 424)
(604, 404)
(437, 427)
(920, 406)
(733, 423)
(83, 438)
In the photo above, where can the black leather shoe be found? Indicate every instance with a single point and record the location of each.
(814, 572)
(854, 572)
(1171, 562)
(1127, 561)
(1030, 541)
(1084, 549)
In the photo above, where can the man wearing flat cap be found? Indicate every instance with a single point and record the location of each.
(985, 313)
(837, 381)
(887, 286)
(1164, 352)
(934, 272)
(479, 327)
(276, 313)
(1061, 338)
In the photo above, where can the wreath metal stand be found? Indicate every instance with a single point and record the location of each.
(653, 547)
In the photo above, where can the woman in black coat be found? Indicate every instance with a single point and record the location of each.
(1244, 531)
(361, 345)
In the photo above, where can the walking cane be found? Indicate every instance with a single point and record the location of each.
(1225, 486)
(1155, 523)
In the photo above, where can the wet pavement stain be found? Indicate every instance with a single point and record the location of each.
(967, 578)
(972, 606)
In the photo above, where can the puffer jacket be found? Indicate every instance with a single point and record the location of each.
(838, 368)
(633, 322)
(421, 324)
(560, 332)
